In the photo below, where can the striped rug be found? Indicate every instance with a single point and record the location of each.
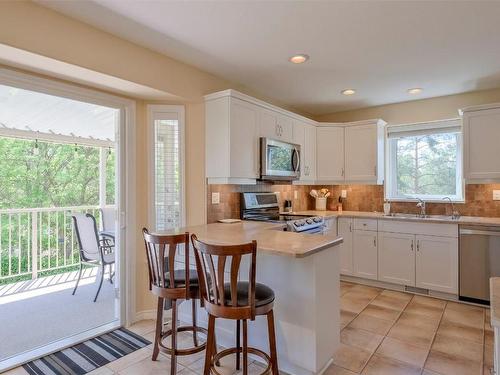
(89, 355)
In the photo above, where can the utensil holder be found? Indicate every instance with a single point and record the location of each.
(320, 204)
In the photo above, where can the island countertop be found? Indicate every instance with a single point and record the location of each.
(270, 237)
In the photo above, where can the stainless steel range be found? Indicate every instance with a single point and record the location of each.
(265, 207)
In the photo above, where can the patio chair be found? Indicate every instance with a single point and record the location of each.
(93, 250)
(108, 225)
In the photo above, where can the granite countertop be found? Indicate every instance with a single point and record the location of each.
(495, 301)
(270, 237)
(471, 220)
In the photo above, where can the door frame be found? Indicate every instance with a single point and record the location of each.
(125, 199)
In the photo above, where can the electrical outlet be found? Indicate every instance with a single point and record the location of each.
(496, 195)
(343, 193)
(216, 198)
(295, 194)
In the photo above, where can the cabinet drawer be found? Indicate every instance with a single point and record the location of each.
(429, 229)
(365, 224)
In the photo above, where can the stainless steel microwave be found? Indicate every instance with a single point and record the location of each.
(279, 160)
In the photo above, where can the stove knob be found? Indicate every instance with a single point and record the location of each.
(309, 221)
(316, 219)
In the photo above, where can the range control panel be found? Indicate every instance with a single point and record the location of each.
(306, 224)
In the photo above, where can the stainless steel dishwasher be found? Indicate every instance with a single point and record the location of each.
(479, 260)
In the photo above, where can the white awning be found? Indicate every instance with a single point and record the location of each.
(23, 111)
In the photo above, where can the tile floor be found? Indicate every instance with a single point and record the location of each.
(393, 333)
(383, 333)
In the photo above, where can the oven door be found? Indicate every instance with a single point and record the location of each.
(279, 160)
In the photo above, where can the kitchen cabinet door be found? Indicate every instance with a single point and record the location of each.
(365, 257)
(481, 134)
(305, 135)
(310, 152)
(437, 263)
(231, 141)
(330, 154)
(396, 258)
(361, 153)
(275, 126)
(344, 227)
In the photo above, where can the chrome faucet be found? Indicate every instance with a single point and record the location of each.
(421, 204)
(454, 213)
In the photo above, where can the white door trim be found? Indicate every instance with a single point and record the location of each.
(126, 204)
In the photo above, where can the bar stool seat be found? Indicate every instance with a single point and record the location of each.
(180, 278)
(263, 294)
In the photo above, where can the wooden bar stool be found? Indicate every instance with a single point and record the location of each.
(172, 285)
(237, 300)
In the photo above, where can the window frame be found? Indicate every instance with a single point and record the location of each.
(391, 178)
(154, 112)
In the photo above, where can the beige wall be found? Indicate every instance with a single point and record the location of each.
(440, 108)
(36, 29)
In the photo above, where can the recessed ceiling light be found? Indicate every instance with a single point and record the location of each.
(415, 90)
(348, 92)
(299, 59)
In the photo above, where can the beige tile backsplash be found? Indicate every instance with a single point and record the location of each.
(479, 199)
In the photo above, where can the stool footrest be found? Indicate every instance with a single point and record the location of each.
(187, 351)
(223, 353)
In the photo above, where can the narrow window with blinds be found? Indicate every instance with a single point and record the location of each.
(425, 161)
(168, 167)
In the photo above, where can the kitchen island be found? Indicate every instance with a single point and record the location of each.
(303, 271)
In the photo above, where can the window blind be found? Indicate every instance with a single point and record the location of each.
(167, 172)
(424, 128)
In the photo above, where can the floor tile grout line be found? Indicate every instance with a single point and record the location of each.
(380, 292)
(378, 346)
(434, 337)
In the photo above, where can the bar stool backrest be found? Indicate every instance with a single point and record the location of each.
(161, 251)
(219, 288)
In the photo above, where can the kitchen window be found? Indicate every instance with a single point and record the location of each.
(425, 161)
(167, 158)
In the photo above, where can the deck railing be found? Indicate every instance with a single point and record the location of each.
(38, 240)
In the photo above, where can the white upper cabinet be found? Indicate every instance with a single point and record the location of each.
(234, 123)
(330, 153)
(364, 158)
(274, 125)
(305, 135)
(231, 141)
(351, 153)
(481, 128)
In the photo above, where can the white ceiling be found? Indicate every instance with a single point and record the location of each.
(379, 48)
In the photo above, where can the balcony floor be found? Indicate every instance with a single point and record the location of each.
(38, 312)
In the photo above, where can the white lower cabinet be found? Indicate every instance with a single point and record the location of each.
(396, 258)
(365, 254)
(422, 255)
(345, 231)
(436, 266)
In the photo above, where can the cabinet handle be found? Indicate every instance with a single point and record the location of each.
(411, 245)
(277, 130)
(350, 227)
(342, 172)
(418, 245)
(375, 241)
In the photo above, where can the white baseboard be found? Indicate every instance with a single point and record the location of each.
(151, 315)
